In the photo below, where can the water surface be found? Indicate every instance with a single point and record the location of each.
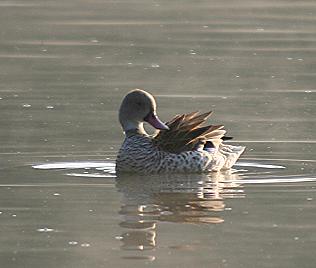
(64, 67)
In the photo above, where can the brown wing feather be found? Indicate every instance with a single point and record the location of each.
(186, 132)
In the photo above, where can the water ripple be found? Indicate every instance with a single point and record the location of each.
(75, 165)
(273, 180)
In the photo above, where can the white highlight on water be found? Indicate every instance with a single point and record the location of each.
(91, 175)
(75, 165)
(273, 181)
(252, 164)
(45, 230)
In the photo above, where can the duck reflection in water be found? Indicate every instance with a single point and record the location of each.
(191, 198)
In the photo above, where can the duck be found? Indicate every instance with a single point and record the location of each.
(182, 145)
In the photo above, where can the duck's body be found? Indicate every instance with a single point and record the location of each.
(181, 145)
(139, 154)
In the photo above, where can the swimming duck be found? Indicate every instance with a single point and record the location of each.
(180, 145)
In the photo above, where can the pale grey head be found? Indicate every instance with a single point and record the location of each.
(137, 107)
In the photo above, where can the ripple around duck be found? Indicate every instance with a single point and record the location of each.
(260, 171)
(274, 180)
(90, 169)
(75, 165)
(258, 165)
(111, 165)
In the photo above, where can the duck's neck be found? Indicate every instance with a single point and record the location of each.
(134, 129)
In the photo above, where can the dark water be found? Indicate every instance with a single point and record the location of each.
(64, 67)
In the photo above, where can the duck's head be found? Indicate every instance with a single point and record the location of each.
(137, 107)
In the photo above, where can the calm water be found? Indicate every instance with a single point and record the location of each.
(64, 67)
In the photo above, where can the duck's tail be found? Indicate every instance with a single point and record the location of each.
(226, 156)
(186, 132)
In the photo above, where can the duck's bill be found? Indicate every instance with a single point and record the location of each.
(153, 120)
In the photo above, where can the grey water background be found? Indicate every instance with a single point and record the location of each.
(64, 68)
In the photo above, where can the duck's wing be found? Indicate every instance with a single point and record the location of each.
(187, 133)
